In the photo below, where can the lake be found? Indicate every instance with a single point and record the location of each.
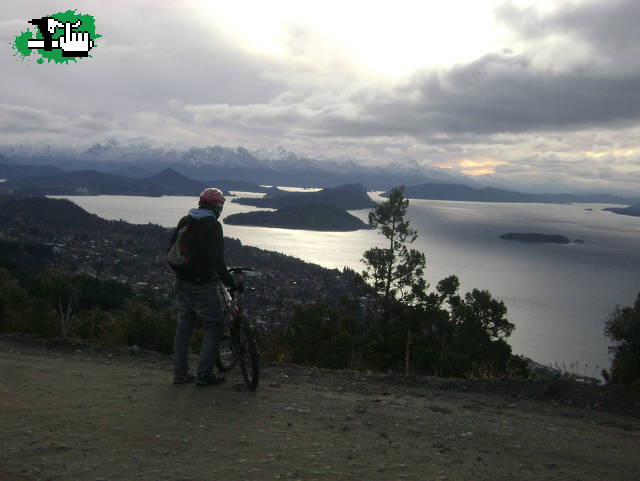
(558, 296)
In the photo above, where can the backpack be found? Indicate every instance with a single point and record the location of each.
(180, 252)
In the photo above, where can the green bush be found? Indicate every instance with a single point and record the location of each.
(623, 327)
(148, 327)
(98, 324)
(62, 303)
(106, 295)
(273, 344)
(12, 296)
(20, 312)
(321, 336)
(446, 335)
(35, 317)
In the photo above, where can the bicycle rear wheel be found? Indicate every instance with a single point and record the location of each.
(248, 355)
(227, 356)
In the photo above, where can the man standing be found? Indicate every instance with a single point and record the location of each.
(198, 301)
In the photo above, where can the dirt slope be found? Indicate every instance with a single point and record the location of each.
(70, 414)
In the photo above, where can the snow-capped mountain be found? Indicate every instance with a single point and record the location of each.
(221, 157)
(278, 166)
(406, 168)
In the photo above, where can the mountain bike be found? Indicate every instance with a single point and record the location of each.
(238, 343)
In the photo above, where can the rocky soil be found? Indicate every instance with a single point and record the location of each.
(79, 411)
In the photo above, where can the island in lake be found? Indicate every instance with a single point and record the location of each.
(534, 238)
(304, 217)
(347, 197)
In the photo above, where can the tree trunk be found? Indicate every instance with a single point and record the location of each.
(407, 353)
(64, 317)
(388, 280)
(61, 312)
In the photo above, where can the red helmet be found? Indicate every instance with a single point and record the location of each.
(212, 196)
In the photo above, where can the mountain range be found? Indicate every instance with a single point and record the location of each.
(13, 171)
(113, 167)
(39, 180)
(439, 191)
(261, 166)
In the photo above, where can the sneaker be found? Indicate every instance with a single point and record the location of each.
(185, 379)
(210, 380)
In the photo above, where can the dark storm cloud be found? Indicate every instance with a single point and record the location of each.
(608, 26)
(572, 91)
(147, 55)
(14, 119)
(562, 104)
(569, 89)
(171, 53)
(495, 94)
(504, 93)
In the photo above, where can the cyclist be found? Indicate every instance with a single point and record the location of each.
(197, 301)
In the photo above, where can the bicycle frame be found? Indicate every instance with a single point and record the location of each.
(228, 302)
(242, 345)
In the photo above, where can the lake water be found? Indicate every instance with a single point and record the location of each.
(558, 296)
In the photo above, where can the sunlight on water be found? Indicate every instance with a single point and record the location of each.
(295, 189)
(557, 295)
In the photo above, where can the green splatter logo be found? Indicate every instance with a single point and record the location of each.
(59, 37)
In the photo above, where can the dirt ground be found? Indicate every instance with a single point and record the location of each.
(73, 412)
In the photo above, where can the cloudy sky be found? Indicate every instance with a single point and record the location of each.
(539, 95)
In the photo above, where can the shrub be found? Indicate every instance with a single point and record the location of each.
(149, 327)
(97, 324)
(323, 337)
(273, 344)
(21, 313)
(12, 295)
(623, 327)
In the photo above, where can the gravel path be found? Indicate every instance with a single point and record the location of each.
(72, 415)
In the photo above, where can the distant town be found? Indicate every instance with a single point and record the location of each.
(40, 232)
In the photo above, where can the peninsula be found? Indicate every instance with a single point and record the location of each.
(459, 192)
(633, 210)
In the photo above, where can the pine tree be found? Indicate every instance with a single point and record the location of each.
(395, 272)
(623, 328)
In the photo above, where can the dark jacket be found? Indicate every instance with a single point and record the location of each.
(206, 247)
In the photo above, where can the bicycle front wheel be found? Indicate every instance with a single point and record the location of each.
(248, 355)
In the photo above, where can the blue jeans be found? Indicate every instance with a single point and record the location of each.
(198, 307)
